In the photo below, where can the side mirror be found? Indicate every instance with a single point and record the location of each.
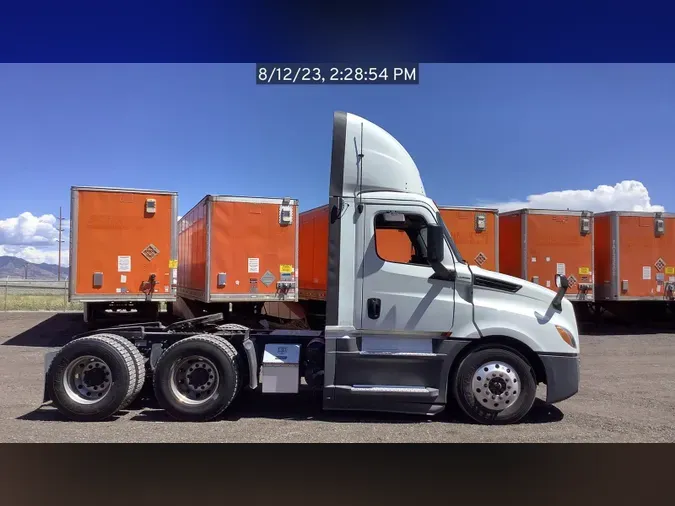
(435, 244)
(563, 284)
(562, 281)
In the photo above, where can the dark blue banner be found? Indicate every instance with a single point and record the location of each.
(294, 31)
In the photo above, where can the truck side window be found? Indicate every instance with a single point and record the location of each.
(401, 238)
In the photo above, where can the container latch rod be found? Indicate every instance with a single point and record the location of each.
(148, 287)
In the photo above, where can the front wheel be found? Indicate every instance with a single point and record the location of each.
(495, 386)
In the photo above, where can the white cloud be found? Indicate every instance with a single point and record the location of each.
(34, 238)
(623, 196)
(28, 229)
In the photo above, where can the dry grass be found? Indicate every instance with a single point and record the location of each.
(25, 302)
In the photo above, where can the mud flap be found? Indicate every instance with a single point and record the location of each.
(49, 358)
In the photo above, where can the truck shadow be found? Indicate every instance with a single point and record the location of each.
(48, 413)
(60, 328)
(625, 328)
(299, 407)
(302, 408)
(52, 332)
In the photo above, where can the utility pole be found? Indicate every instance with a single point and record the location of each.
(60, 241)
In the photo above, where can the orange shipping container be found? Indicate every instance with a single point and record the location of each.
(475, 231)
(120, 238)
(313, 271)
(238, 249)
(537, 244)
(635, 255)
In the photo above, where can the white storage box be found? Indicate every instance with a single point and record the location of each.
(281, 368)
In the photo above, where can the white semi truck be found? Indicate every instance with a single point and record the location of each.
(402, 337)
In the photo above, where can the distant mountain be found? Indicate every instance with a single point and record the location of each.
(17, 268)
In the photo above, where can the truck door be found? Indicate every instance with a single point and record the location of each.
(396, 358)
(399, 298)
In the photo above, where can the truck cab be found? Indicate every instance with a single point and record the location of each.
(412, 334)
(407, 333)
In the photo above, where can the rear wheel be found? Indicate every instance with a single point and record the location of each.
(90, 378)
(139, 363)
(495, 386)
(197, 378)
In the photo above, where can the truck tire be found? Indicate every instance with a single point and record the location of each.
(111, 378)
(139, 363)
(495, 386)
(197, 378)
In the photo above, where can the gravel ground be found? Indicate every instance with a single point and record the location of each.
(626, 395)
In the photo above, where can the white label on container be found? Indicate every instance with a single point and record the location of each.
(560, 269)
(646, 272)
(118, 290)
(534, 259)
(548, 259)
(671, 279)
(658, 288)
(123, 279)
(253, 265)
(236, 282)
(548, 284)
(124, 264)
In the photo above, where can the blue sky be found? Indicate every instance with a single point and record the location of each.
(480, 134)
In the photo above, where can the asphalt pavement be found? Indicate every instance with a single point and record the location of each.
(627, 395)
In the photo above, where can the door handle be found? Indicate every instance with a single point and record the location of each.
(374, 306)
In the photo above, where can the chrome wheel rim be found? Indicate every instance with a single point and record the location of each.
(194, 380)
(87, 379)
(495, 385)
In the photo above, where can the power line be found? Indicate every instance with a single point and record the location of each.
(60, 242)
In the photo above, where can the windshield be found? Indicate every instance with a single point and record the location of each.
(451, 242)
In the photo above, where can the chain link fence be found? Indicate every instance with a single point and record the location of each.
(35, 295)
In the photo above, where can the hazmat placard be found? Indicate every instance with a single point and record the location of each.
(267, 279)
(123, 264)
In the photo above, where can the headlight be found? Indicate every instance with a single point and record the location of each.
(566, 336)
